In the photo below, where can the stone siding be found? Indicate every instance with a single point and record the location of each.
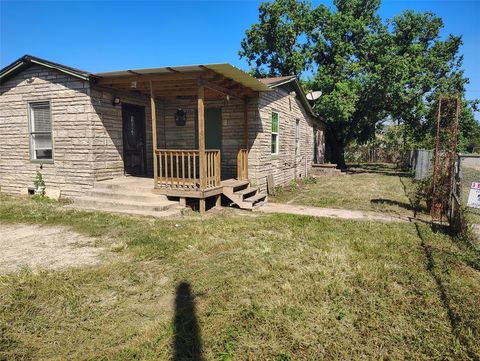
(88, 137)
(72, 169)
(286, 166)
(108, 131)
(171, 136)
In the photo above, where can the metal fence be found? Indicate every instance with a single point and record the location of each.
(467, 172)
(420, 161)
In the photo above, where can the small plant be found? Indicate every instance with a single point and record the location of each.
(293, 185)
(39, 184)
(278, 190)
(309, 180)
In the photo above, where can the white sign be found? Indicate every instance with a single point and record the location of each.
(474, 196)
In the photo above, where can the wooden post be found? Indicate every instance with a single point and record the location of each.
(154, 135)
(201, 143)
(201, 136)
(245, 123)
(202, 206)
(245, 137)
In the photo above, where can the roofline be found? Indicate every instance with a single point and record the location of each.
(225, 69)
(303, 96)
(11, 69)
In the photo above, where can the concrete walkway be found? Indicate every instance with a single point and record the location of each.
(333, 213)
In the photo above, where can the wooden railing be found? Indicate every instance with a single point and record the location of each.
(242, 164)
(180, 169)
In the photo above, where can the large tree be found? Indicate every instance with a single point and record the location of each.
(368, 70)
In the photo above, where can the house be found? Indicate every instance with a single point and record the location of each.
(217, 130)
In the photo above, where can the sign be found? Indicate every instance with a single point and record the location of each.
(474, 196)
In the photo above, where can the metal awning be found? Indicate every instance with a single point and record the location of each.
(227, 70)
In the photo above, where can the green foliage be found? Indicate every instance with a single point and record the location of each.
(278, 39)
(368, 70)
(39, 184)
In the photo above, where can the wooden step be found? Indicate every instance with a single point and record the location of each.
(233, 183)
(246, 191)
(256, 198)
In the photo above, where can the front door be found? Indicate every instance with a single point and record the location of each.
(134, 144)
(213, 128)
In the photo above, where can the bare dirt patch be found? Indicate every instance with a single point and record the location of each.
(45, 247)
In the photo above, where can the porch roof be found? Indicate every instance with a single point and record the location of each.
(184, 80)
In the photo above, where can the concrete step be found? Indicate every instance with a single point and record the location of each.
(127, 195)
(125, 205)
(171, 212)
(136, 188)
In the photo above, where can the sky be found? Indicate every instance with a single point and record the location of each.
(115, 35)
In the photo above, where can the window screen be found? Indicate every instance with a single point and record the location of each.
(274, 133)
(41, 131)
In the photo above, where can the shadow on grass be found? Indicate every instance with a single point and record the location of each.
(377, 168)
(187, 343)
(390, 202)
(453, 318)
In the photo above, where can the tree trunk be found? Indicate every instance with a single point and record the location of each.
(337, 147)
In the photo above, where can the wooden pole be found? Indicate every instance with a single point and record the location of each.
(154, 135)
(245, 137)
(245, 123)
(201, 142)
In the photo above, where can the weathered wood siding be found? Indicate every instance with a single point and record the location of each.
(72, 170)
(286, 166)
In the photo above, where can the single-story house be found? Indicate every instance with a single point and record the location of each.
(213, 124)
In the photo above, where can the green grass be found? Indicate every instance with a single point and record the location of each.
(264, 287)
(366, 187)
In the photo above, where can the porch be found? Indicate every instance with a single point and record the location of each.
(185, 165)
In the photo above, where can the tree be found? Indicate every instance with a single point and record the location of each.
(368, 70)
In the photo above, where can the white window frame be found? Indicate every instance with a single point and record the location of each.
(297, 137)
(32, 132)
(277, 133)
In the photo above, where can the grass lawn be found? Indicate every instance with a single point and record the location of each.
(366, 187)
(244, 287)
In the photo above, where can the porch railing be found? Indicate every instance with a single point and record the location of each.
(242, 164)
(180, 169)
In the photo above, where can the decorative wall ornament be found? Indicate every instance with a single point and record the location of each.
(180, 117)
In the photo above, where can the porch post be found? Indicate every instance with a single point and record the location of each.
(245, 137)
(245, 123)
(154, 135)
(201, 142)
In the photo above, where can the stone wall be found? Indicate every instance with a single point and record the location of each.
(286, 166)
(107, 128)
(171, 136)
(72, 169)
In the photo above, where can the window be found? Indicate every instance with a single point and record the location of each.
(40, 131)
(297, 137)
(275, 132)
